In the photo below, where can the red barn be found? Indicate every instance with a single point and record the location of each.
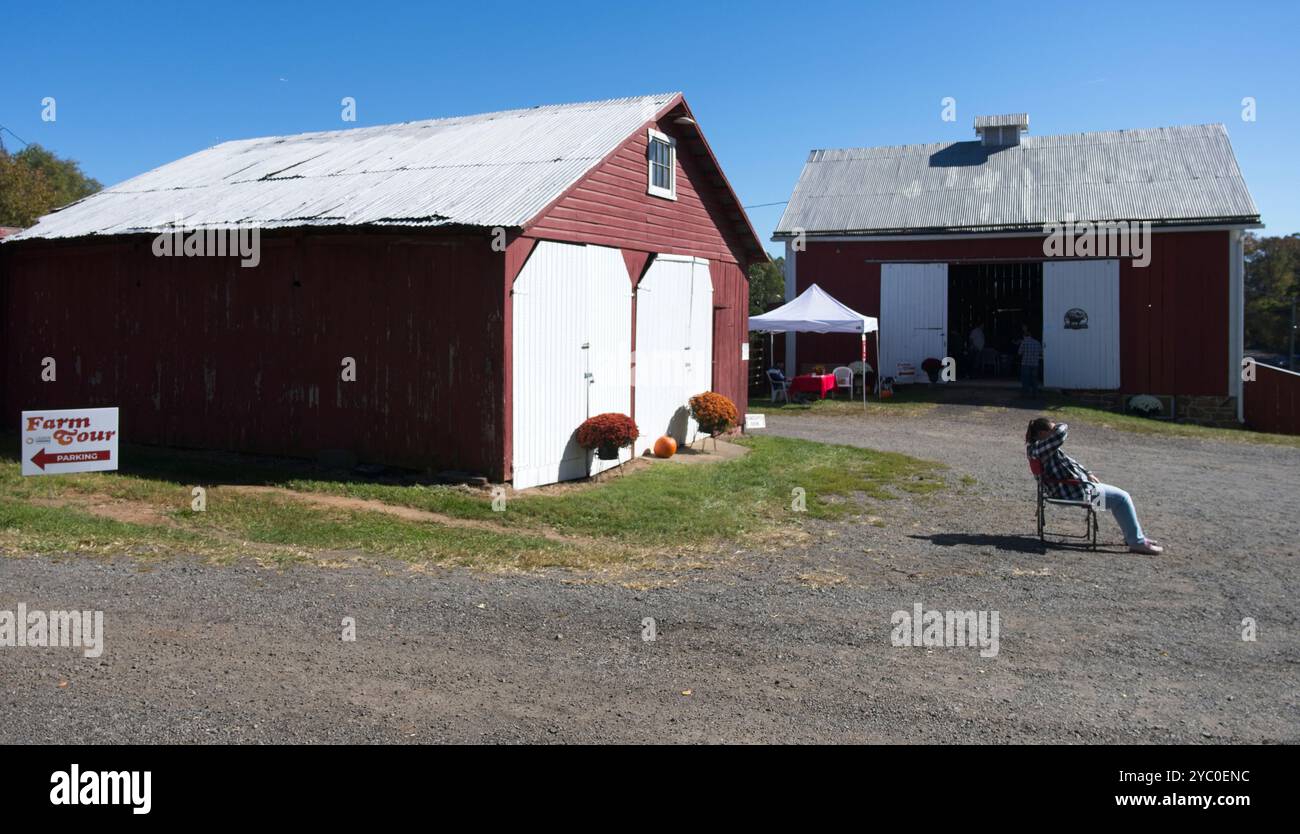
(1120, 250)
(450, 294)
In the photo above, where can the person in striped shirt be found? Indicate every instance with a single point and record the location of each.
(1068, 480)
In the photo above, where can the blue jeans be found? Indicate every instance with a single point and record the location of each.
(1029, 379)
(1120, 504)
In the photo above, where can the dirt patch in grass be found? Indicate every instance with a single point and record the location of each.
(344, 502)
(106, 506)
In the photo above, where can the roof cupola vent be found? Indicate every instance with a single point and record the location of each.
(1001, 130)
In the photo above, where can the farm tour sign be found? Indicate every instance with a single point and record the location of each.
(69, 440)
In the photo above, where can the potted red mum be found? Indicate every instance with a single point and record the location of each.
(715, 413)
(607, 433)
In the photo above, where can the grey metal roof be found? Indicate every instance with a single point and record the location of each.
(1005, 120)
(1165, 175)
(493, 169)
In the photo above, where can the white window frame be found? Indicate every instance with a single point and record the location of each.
(669, 193)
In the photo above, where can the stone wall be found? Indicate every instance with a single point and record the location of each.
(1209, 411)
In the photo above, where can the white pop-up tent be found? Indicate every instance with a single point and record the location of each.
(816, 311)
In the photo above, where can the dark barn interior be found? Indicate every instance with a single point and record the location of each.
(1001, 297)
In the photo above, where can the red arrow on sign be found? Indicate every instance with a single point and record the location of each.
(41, 458)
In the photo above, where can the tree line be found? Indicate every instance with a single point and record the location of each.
(34, 182)
(1272, 282)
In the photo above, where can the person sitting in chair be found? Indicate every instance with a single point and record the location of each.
(1064, 478)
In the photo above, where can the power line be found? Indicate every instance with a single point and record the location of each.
(765, 205)
(15, 135)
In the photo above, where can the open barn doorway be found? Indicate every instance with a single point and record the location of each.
(988, 303)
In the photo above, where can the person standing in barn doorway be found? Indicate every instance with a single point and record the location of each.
(1031, 358)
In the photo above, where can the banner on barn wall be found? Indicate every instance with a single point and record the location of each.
(60, 441)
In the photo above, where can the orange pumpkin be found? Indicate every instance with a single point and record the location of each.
(665, 447)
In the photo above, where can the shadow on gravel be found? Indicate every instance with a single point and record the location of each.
(1017, 544)
(1012, 543)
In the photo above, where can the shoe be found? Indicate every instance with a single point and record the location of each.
(1149, 547)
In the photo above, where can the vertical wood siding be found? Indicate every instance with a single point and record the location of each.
(1087, 357)
(201, 353)
(1272, 402)
(731, 329)
(1173, 312)
(572, 313)
(610, 207)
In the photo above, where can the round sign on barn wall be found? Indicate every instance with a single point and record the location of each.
(1076, 318)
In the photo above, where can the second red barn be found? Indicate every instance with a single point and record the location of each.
(1120, 250)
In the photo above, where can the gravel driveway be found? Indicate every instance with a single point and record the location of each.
(788, 642)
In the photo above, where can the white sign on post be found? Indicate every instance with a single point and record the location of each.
(57, 442)
(755, 421)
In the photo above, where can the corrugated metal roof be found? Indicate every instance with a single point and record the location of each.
(492, 169)
(1165, 175)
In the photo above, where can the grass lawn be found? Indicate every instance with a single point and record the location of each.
(57, 514)
(1062, 410)
(661, 509)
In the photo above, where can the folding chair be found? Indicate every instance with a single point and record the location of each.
(778, 384)
(1089, 535)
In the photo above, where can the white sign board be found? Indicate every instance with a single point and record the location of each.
(755, 421)
(57, 442)
(744, 351)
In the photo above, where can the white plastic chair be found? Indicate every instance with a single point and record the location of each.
(844, 379)
(779, 384)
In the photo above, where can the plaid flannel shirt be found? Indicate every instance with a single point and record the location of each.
(1031, 352)
(1063, 477)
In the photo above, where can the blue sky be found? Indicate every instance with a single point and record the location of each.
(140, 84)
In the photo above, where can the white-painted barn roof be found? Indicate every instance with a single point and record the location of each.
(1165, 175)
(493, 169)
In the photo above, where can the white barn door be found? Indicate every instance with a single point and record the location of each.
(913, 315)
(1081, 324)
(572, 353)
(674, 346)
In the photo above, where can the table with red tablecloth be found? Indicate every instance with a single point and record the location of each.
(819, 384)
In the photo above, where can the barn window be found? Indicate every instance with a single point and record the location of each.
(662, 156)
